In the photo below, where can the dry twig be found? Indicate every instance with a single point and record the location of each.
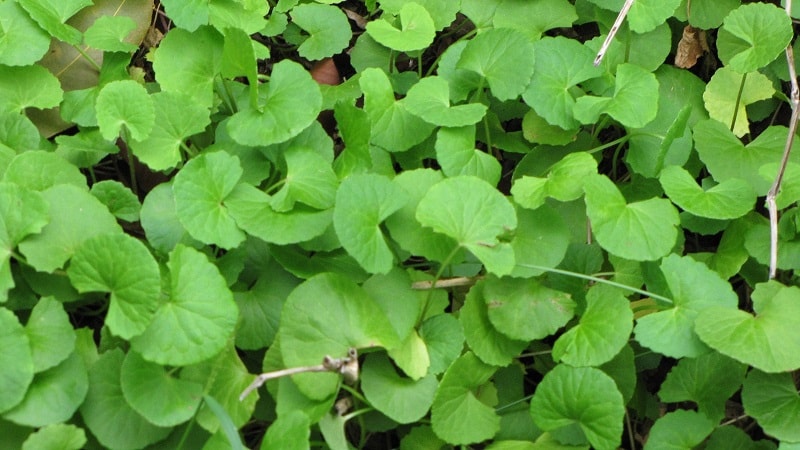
(613, 32)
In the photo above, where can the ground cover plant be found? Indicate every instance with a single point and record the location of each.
(429, 224)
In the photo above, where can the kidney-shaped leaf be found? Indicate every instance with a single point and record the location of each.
(52, 338)
(309, 179)
(458, 416)
(724, 107)
(16, 360)
(563, 182)
(429, 99)
(52, 15)
(197, 319)
(362, 203)
(486, 341)
(641, 231)
(126, 104)
(328, 29)
(121, 265)
(344, 317)
(24, 41)
(728, 200)
(28, 86)
(416, 32)
(634, 103)
(694, 288)
(753, 35)
(475, 214)
(679, 429)
(188, 62)
(401, 399)
(503, 57)
(456, 153)
(582, 396)
(769, 341)
(22, 213)
(773, 400)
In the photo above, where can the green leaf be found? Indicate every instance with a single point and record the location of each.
(541, 239)
(309, 179)
(456, 153)
(160, 222)
(247, 16)
(563, 181)
(534, 19)
(51, 15)
(251, 210)
(537, 130)
(362, 203)
(177, 117)
(200, 190)
(16, 361)
(458, 415)
(109, 417)
(108, 33)
(503, 57)
(723, 107)
(84, 149)
(475, 214)
(695, 288)
(53, 396)
(187, 63)
(289, 104)
(58, 436)
(151, 391)
(773, 401)
(641, 231)
(198, 317)
(51, 336)
(524, 310)
(401, 399)
(288, 432)
(444, 339)
(24, 42)
(582, 396)
(488, 343)
(125, 107)
(443, 12)
(752, 36)
(679, 429)
(646, 15)
(429, 99)
(393, 127)
(28, 86)
(726, 157)
(80, 217)
(634, 102)
(730, 199)
(328, 29)
(39, 170)
(22, 213)
(708, 380)
(708, 14)
(416, 31)
(122, 203)
(345, 317)
(260, 308)
(604, 328)
(767, 341)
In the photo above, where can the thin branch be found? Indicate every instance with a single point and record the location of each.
(787, 149)
(612, 32)
(347, 366)
(444, 283)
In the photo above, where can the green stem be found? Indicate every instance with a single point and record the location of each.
(88, 58)
(439, 273)
(125, 135)
(738, 100)
(515, 402)
(435, 64)
(621, 140)
(186, 433)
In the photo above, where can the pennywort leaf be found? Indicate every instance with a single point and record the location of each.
(124, 107)
(401, 399)
(503, 57)
(724, 108)
(17, 370)
(772, 399)
(24, 41)
(728, 200)
(28, 86)
(752, 36)
(634, 102)
(51, 15)
(328, 29)
(416, 31)
(429, 99)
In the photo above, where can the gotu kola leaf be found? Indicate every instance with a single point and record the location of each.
(328, 29)
(752, 36)
(22, 213)
(416, 32)
(724, 107)
(634, 102)
(345, 317)
(429, 99)
(24, 42)
(52, 15)
(486, 341)
(16, 370)
(503, 57)
(125, 107)
(773, 400)
(475, 214)
(679, 429)
(641, 231)
(401, 399)
(187, 62)
(728, 200)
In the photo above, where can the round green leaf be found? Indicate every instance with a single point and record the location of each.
(125, 104)
(582, 396)
(51, 336)
(118, 198)
(488, 343)
(345, 317)
(290, 104)
(504, 58)
(288, 432)
(53, 396)
(401, 399)
(722, 106)
(16, 361)
(108, 33)
(475, 214)
(753, 35)
(769, 341)
(458, 415)
(187, 62)
(57, 436)
(604, 328)
(161, 399)
(444, 339)
(634, 102)
(328, 29)
(38, 170)
(416, 31)
(121, 265)
(645, 15)
(24, 42)
(160, 220)
(80, 217)
(197, 319)
(728, 200)
(28, 86)
(456, 153)
(563, 181)
(642, 231)
(362, 203)
(22, 213)
(177, 117)
(52, 15)
(429, 99)
(109, 417)
(773, 400)
(260, 308)
(309, 180)
(443, 12)
(679, 429)
(541, 239)
(524, 310)
(200, 189)
(694, 288)
(534, 19)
